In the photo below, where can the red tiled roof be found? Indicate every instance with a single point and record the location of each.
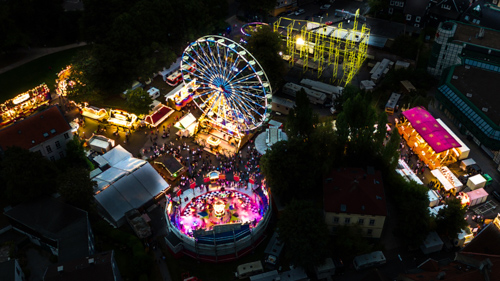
(30, 132)
(356, 191)
(158, 115)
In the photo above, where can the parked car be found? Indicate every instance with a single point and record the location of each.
(325, 7)
(300, 12)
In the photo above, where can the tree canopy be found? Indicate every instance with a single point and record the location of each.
(450, 220)
(266, 46)
(301, 120)
(26, 175)
(138, 101)
(76, 187)
(303, 231)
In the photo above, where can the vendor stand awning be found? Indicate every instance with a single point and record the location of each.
(430, 130)
(447, 179)
(161, 113)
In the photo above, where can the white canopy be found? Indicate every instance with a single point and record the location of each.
(116, 155)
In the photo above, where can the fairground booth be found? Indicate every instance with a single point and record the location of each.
(62, 81)
(427, 138)
(121, 118)
(182, 95)
(159, 114)
(24, 104)
(94, 112)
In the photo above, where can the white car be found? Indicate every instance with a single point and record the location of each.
(333, 110)
(300, 12)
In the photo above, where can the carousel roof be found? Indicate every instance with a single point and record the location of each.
(430, 130)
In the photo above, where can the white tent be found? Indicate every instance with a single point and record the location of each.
(128, 184)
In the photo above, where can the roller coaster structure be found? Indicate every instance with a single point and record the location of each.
(325, 45)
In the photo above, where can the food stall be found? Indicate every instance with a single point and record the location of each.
(159, 114)
(477, 196)
(24, 104)
(427, 138)
(121, 118)
(62, 81)
(404, 170)
(476, 182)
(187, 125)
(450, 183)
(182, 96)
(94, 112)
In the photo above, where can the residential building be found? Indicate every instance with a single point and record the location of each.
(55, 226)
(46, 132)
(124, 183)
(11, 271)
(396, 6)
(100, 267)
(444, 10)
(415, 12)
(483, 13)
(461, 43)
(353, 196)
(283, 6)
(468, 97)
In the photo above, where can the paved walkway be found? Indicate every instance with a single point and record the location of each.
(36, 53)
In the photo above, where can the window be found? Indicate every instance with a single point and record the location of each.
(61, 154)
(392, 3)
(52, 158)
(49, 149)
(369, 232)
(58, 144)
(417, 19)
(372, 222)
(66, 135)
(347, 220)
(335, 219)
(408, 17)
(361, 221)
(391, 10)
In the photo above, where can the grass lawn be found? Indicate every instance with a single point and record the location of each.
(32, 74)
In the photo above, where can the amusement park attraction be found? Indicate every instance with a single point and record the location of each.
(317, 46)
(230, 88)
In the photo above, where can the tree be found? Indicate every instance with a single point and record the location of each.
(26, 175)
(265, 6)
(76, 187)
(303, 231)
(75, 155)
(450, 220)
(266, 46)
(300, 120)
(349, 241)
(138, 101)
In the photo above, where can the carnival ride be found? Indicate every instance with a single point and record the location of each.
(229, 86)
(250, 27)
(326, 46)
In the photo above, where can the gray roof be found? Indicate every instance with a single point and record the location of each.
(57, 221)
(131, 191)
(416, 7)
(7, 270)
(488, 16)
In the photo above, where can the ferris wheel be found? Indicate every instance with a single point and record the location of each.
(229, 85)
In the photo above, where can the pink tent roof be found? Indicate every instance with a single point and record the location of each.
(430, 130)
(478, 193)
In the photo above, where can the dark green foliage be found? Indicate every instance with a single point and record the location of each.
(266, 45)
(406, 46)
(303, 230)
(75, 156)
(138, 101)
(349, 241)
(27, 175)
(76, 187)
(450, 220)
(300, 121)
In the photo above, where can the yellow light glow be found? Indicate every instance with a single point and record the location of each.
(300, 41)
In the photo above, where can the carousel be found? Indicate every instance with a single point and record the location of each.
(427, 138)
(230, 88)
(222, 212)
(24, 104)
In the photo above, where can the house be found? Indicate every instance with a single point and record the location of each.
(55, 226)
(100, 267)
(11, 271)
(483, 13)
(415, 12)
(355, 196)
(46, 132)
(396, 6)
(443, 10)
(124, 183)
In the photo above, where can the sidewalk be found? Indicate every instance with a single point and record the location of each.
(36, 53)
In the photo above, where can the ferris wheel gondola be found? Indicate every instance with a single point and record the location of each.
(232, 89)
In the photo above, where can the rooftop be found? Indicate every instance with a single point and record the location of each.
(96, 267)
(35, 129)
(354, 191)
(57, 221)
(482, 85)
(467, 33)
